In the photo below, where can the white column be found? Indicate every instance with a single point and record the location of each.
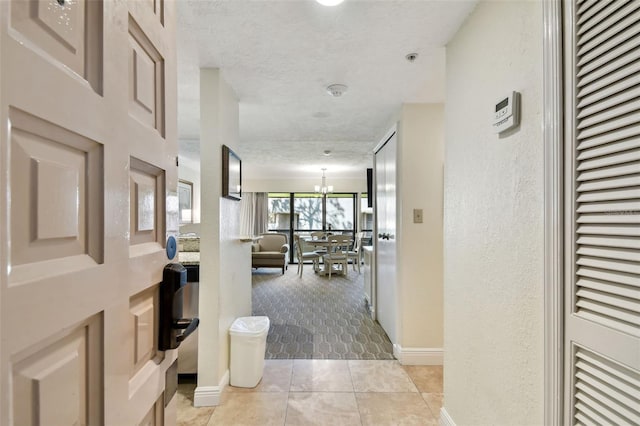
(225, 262)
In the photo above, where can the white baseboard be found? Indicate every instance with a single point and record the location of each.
(445, 418)
(397, 352)
(418, 356)
(209, 396)
(224, 381)
(206, 396)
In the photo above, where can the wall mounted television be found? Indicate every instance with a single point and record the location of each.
(231, 174)
(369, 187)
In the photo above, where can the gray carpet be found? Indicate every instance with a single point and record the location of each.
(316, 318)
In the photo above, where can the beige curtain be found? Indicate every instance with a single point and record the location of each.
(254, 213)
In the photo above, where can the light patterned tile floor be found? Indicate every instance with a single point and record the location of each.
(321, 375)
(319, 392)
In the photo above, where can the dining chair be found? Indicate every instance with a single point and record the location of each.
(319, 235)
(354, 253)
(302, 256)
(337, 253)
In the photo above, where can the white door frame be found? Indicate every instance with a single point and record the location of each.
(553, 134)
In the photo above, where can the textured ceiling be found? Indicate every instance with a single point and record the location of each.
(279, 56)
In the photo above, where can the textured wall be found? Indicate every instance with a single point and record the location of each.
(494, 220)
(235, 256)
(421, 154)
(208, 358)
(225, 272)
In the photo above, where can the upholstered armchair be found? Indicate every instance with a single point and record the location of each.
(271, 251)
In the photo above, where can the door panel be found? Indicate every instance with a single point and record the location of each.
(602, 195)
(70, 34)
(144, 326)
(59, 382)
(146, 79)
(155, 416)
(87, 160)
(147, 188)
(54, 214)
(386, 285)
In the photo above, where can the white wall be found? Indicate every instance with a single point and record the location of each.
(493, 222)
(419, 270)
(225, 262)
(235, 256)
(420, 179)
(304, 184)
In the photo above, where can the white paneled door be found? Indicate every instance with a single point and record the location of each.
(88, 173)
(602, 297)
(385, 250)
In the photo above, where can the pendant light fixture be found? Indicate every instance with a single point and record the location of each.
(324, 189)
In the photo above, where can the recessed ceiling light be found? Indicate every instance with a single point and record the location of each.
(336, 90)
(326, 153)
(329, 2)
(411, 57)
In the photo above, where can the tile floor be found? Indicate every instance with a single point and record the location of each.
(321, 392)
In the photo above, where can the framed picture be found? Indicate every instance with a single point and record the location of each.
(231, 174)
(185, 201)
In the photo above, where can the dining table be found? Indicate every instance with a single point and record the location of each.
(322, 243)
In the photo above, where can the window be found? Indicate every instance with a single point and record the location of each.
(340, 212)
(311, 212)
(308, 211)
(279, 210)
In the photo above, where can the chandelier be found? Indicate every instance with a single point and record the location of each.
(324, 189)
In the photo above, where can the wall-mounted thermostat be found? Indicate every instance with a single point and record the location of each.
(507, 113)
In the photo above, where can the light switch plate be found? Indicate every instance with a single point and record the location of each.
(417, 215)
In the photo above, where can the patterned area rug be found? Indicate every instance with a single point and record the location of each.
(316, 318)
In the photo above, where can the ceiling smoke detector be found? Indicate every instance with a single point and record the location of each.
(336, 90)
(411, 57)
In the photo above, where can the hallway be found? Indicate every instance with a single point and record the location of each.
(320, 392)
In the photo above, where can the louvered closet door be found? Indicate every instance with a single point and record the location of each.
(602, 328)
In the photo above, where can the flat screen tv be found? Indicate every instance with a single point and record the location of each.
(369, 187)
